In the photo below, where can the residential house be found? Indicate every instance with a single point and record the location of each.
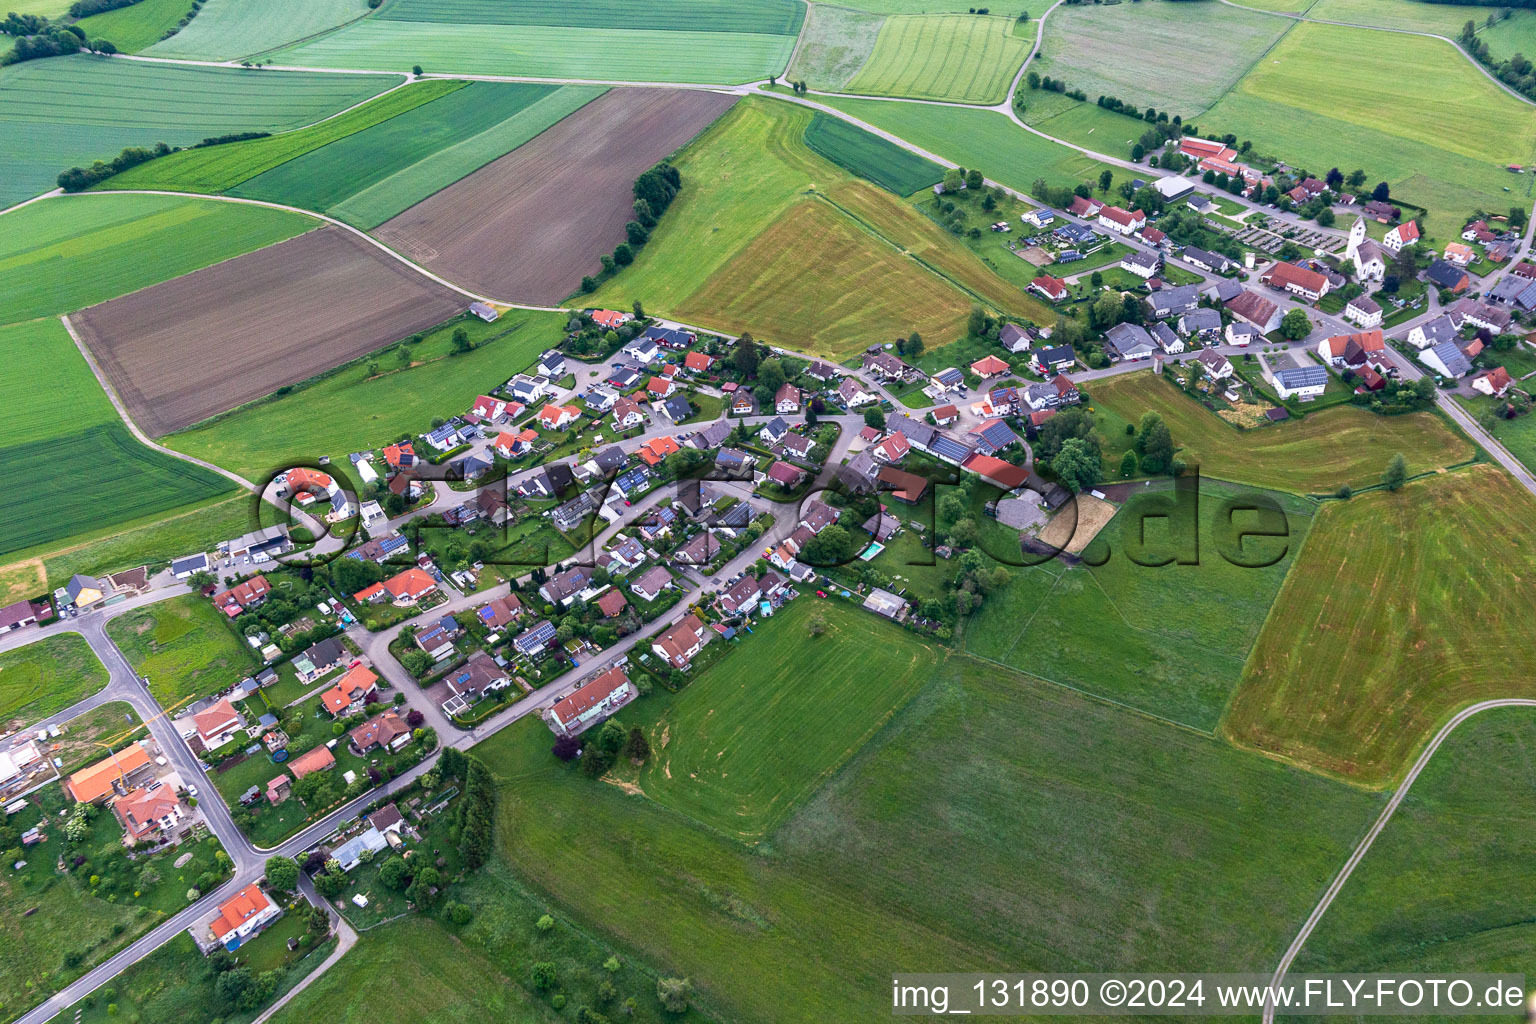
(627, 413)
(359, 848)
(528, 389)
(1014, 338)
(660, 387)
(146, 814)
(594, 701)
(996, 472)
(242, 917)
(786, 475)
(989, 366)
(773, 432)
(1519, 292)
(732, 461)
(679, 645)
(1129, 341)
(600, 399)
(944, 415)
(564, 588)
(558, 417)
(642, 350)
(1042, 218)
(403, 589)
(400, 456)
(656, 449)
(1167, 339)
(701, 549)
(1085, 207)
(111, 776)
(1447, 359)
(436, 639)
(610, 318)
(787, 400)
(316, 759)
(1201, 322)
(1053, 359)
(1214, 262)
(474, 679)
(214, 726)
(887, 367)
(905, 487)
(1152, 236)
(854, 394)
(740, 596)
(893, 448)
(1470, 311)
(741, 404)
(1122, 222)
(15, 616)
(676, 409)
(85, 591)
(551, 364)
(1052, 289)
(501, 612)
(570, 515)
(1300, 381)
(623, 555)
(649, 584)
(1167, 302)
(1143, 264)
(1299, 281)
(514, 446)
(992, 436)
(487, 408)
(1350, 350)
(1427, 335)
(1495, 383)
(1364, 312)
(1253, 308)
(1402, 236)
(611, 602)
(245, 595)
(675, 338)
(1216, 365)
(535, 639)
(1458, 254)
(444, 438)
(386, 731)
(350, 692)
(698, 362)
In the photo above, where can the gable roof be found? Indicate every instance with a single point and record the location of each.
(591, 694)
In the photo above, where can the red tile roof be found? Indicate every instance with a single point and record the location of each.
(591, 694)
(247, 903)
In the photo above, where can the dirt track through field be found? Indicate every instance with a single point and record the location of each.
(527, 227)
(199, 345)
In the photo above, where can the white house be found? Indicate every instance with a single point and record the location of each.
(247, 913)
(1301, 381)
(1405, 234)
(593, 702)
(1364, 312)
(1218, 366)
(1430, 334)
(1122, 222)
(1142, 264)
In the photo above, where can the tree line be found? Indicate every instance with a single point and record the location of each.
(654, 191)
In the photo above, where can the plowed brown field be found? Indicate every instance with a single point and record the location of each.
(528, 226)
(199, 345)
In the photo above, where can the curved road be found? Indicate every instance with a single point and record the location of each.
(1375, 830)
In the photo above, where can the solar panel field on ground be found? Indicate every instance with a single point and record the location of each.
(69, 111)
(716, 41)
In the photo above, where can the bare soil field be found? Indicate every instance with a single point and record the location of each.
(528, 226)
(205, 343)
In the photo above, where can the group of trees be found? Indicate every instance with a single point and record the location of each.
(1067, 444)
(475, 814)
(1036, 81)
(1517, 71)
(654, 191)
(1153, 450)
(602, 748)
(49, 40)
(77, 179)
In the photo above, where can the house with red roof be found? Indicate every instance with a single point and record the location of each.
(995, 471)
(610, 318)
(1299, 281)
(592, 702)
(660, 387)
(1202, 148)
(1053, 289)
(1122, 222)
(403, 589)
(558, 417)
(893, 448)
(488, 408)
(1402, 236)
(989, 366)
(627, 413)
(944, 415)
(698, 362)
(787, 400)
(243, 917)
(1084, 207)
(351, 691)
(679, 645)
(214, 726)
(242, 596)
(1494, 383)
(400, 456)
(514, 446)
(147, 813)
(656, 449)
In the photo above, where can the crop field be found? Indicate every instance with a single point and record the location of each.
(1169, 640)
(1156, 53)
(197, 346)
(749, 741)
(869, 156)
(152, 544)
(922, 850)
(1013, 9)
(369, 402)
(1445, 148)
(858, 292)
(221, 168)
(963, 58)
(1403, 608)
(230, 29)
(377, 203)
(136, 27)
(60, 255)
(61, 476)
(716, 41)
(183, 646)
(835, 43)
(1440, 888)
(1414, 15)
(983, 139)
(1083, 123)
(529, 225)
(46, 677)
(1315, 455)
(321, 178)
(70, 111)
(743, 222)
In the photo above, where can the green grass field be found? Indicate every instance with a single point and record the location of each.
(230, 29)
(136, 27)
(47, 676)
(1516, 435)
(1443, 148)
(64, 254)
(669, 41)
(995, 821)
(1515, 34)
(370, 409)
(71, 111)
(869, 156)
(1315, 455)
(184, 647)
(1169, 640)
(1440, 889)
(322, 178)
(1156, 53)
(1414, 15)
(750, 740)
(221, 168)
(835, 43)
(963, 58)
(1403, 608)
(749, 230)
(984, 139)
(60, 476)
